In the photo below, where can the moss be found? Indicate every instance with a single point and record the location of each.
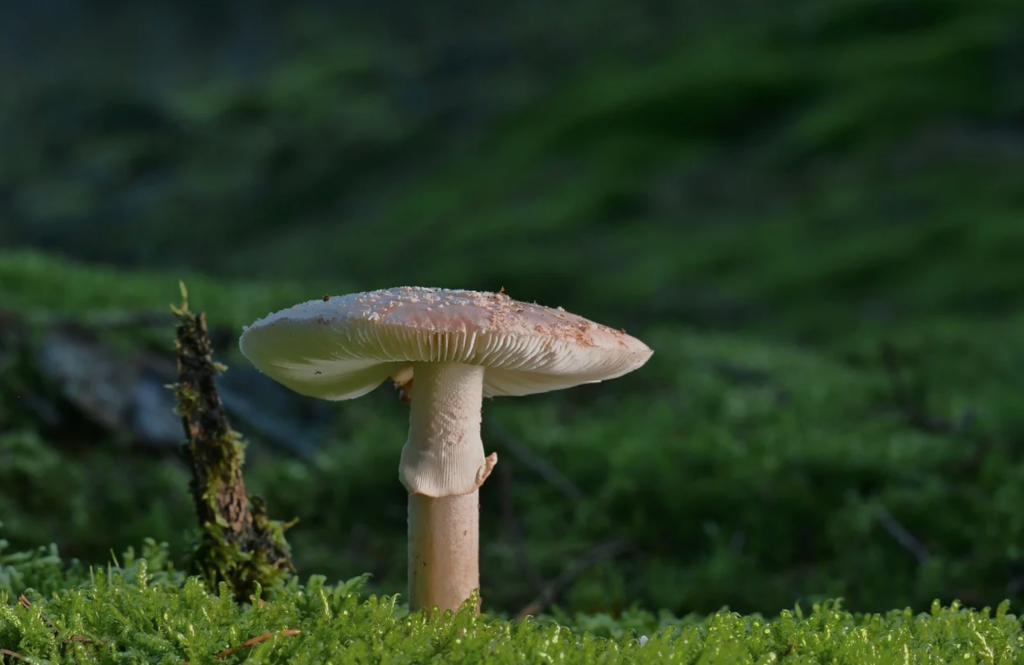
(139, 612)
(40, 286)
(238, 544)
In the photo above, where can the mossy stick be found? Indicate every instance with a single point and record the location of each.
(238, 543)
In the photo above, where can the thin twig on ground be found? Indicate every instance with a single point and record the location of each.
(580, 565)
(901, 535)
(541, 467)
(256, 640)
(912, 400)
(516, 532)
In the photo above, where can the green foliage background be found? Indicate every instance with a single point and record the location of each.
(769, 195)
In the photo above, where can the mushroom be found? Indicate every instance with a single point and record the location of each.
(446, 350)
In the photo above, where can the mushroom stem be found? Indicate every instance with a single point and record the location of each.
(444, 455)
(443, 466)
(444, 550)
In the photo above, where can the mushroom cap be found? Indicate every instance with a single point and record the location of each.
(343, 347)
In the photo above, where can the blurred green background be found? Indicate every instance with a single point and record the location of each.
(813, 211)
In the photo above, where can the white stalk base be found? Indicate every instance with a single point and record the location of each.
(444, 551)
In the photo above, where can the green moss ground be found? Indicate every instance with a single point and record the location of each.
(146, 612)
